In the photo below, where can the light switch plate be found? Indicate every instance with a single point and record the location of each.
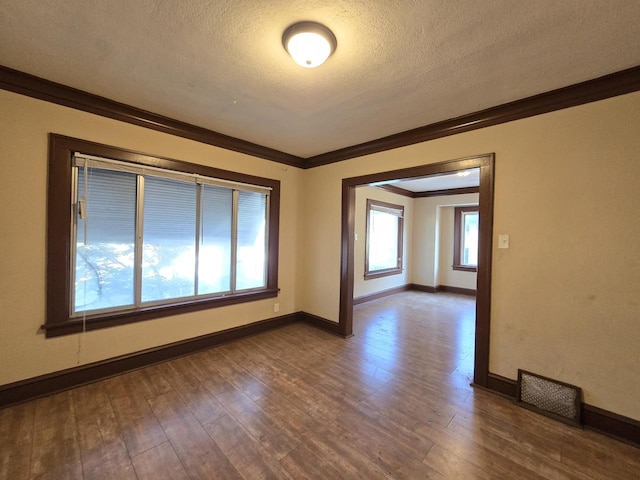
(503, 241)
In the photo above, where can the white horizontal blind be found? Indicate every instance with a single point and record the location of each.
(108, 164)
(169, 209)
(110, 199)
(214, 259)
(251, 240)
(105, 239)
(168, 245)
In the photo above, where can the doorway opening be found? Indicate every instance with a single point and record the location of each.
(485, 163)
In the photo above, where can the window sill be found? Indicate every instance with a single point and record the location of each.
(464, 268)
(112, 319)
(382, 273)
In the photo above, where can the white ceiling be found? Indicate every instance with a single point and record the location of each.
(400, 64)
(462, 179)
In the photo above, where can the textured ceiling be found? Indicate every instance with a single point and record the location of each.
(400, 64)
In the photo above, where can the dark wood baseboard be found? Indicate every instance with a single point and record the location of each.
(597, 419)
(502, 385)
(322, 323)
(380, 294)
(51, 383)
(412, 286)
(463, 291)
(442, 288)
(423, 288)
(617, 426)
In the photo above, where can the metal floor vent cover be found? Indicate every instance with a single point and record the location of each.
(549, 397)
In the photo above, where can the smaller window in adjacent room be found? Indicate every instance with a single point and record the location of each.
(465, 239)
(383, 254)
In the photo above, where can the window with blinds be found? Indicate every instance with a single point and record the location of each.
(134, 237)
(147, 236)
(383, 251)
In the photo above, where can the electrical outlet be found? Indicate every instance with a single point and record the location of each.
(276, 307)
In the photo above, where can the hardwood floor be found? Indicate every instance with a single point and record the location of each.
(393, 401)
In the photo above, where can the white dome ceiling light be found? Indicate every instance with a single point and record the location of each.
(309, 43)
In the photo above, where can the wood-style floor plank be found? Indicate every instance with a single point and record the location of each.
(604, 463)
(102, 449)
(304, 463)
(56, 454)
(245, 453)
(139, 427)
(520, 452)
(198, 453)
(202, 404)
(392, 402)
(16, 440)
(272, 435)
(347, 460)
(452, 466)
(159, 463)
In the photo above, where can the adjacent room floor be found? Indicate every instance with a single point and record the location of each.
(393, 401)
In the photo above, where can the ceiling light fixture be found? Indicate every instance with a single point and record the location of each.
(309, 43)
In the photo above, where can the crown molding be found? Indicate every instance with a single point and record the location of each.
(397, 190)
(36, 87)
(619, 83)
(448, 191)
(428, 193)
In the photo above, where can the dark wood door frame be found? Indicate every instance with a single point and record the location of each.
(485, 163)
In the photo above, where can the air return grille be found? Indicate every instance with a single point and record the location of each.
(549, 397)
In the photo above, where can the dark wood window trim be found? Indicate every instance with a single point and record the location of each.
(457, 239)
(371, 274)
(58, 321)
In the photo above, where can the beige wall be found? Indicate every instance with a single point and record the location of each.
(24, 352)
(566, 294)
(360, 285)
(433, 242)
